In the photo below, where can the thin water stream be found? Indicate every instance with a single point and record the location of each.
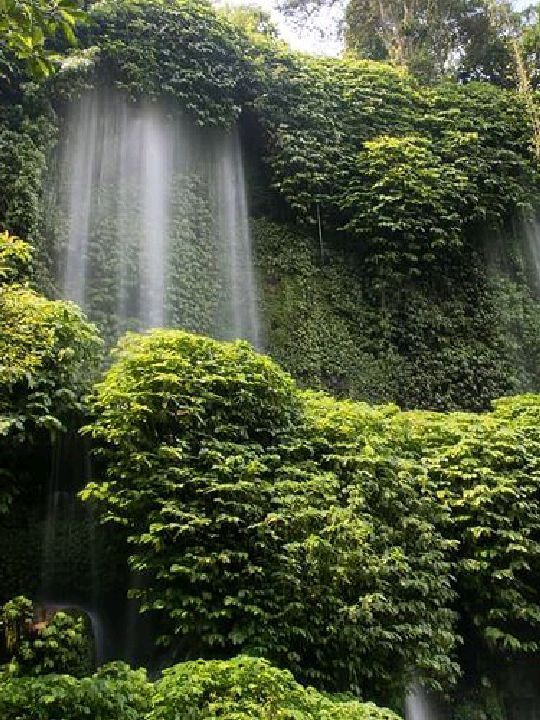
(421, 705)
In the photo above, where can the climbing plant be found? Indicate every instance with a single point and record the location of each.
(456, 340)
(198, 59)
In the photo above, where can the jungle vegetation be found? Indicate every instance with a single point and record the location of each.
(315, 528)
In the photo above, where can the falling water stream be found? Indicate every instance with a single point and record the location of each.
(420, 705)
(532, 248)
(149, 219)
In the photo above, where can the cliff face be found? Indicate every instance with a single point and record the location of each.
(391, 222)
(448, 342)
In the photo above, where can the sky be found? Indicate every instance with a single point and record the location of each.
(319, 36)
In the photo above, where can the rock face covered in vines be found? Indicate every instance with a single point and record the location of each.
(420, 193)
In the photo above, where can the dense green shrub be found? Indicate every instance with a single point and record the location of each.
(115, 692)
(27, 133)
(252, 529)
(49, 354)
(61, 645)
(237, 689)
(485, 471)
(406, 200)
(334, 542)
(376, 152)
(15, 259)
(245, 688)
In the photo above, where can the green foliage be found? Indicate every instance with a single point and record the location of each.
(451, 163)
(465, 39)
(253, 529)
(27, 24)
(333, 540)
(237, 689)
(49, 353)
(468, 164)
(484, 470)
(25, 139)
(420, 200)
(115, 692)
(415, 181)
(482, 703)
(253, 21)
(198, 60)
(15, 259)
(428, 39)
(455, 341)
(61, 645)
(245, 688)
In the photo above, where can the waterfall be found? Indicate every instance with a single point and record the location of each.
(420, 705)
(532, 240)
(69, 542)
(235, 240)
(148, 216)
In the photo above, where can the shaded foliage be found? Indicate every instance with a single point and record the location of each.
(62, 645)
(49, 354)
(455, 340)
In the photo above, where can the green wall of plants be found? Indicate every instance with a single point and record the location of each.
(414, 289)
(449, 342)
(416, 189)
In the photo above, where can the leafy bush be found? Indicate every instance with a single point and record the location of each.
(115, 692)
(62, 645)
(485, 471)
(237, 689)
(245, 688)
(429, 190)
(49, 355)
(15, 259)
(27, 134)
(253, 529)
(375, 152)
(329, 536)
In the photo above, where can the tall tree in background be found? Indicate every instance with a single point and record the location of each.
(433, 38)
(422, 35)
(255, 22)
